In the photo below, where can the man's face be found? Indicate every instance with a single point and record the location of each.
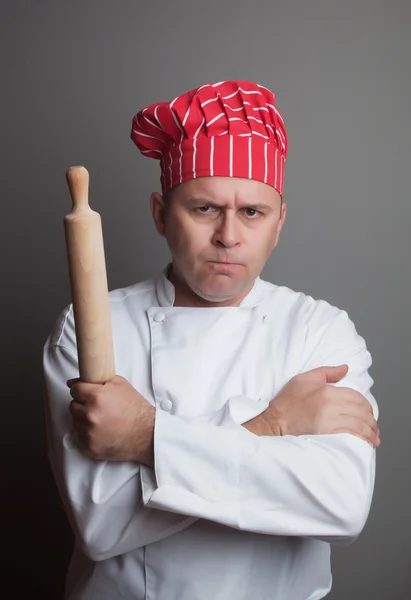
(220, 232)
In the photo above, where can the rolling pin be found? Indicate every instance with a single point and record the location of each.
(88, 283)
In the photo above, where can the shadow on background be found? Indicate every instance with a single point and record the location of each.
(36, 535)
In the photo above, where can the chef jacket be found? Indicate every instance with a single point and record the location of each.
(224, 514)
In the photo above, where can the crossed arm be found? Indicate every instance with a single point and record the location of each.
(115, 422)
(305, 467)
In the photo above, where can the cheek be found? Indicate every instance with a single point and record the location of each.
(185, 240)
(263, 242)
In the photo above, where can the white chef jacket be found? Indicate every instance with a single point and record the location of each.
(224, 514)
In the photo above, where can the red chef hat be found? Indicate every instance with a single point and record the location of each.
(230, 128)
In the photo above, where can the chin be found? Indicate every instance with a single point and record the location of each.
(218, 293)
(214, 298)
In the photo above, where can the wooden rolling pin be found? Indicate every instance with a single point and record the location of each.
(88, 282)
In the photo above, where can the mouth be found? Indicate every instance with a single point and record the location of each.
(223, 262)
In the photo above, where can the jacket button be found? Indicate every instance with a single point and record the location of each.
(166, 405)
(159, 317)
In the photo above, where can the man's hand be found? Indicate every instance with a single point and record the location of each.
(308, 406)
(112, 421)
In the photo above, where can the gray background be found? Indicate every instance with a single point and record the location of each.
(73, 75)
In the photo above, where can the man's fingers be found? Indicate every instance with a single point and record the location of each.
(77, 410)
(335, 374)
(349, 395)
(76, 393)
(82, 391)
(358, 428)
(115, 380)
(71, 382)
(354, 408)
(354, 411)
(361, 437)
(329, 374)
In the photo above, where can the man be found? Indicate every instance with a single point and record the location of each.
(237, 440)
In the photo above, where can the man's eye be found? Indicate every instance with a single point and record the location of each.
(205, 209)
(252, 212)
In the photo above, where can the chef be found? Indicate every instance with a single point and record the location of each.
(237, 441)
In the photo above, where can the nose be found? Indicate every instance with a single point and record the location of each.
(226, 234)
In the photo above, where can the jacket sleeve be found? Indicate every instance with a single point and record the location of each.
(317, 486)
(102, 500)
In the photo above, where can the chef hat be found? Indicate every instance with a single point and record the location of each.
(230, 128)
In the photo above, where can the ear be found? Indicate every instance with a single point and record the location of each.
(281, 222)
(158, 211)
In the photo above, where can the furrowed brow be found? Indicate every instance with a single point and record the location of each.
(208, 202)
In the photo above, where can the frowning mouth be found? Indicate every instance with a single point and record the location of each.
(224, 262)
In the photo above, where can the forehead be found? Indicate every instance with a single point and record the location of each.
(227, 189)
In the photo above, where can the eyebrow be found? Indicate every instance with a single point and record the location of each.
(249, 204)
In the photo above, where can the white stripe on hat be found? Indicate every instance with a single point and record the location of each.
(267, 90)
(186, 115)
(156, 116)
(151, 122)
(254, 119)
(181, 163)
(148, 136)
(258, 120)
(271, 129)
(153, 150)
(241, 90)
(195, 147)
(210, 85)
(258, 107)
(275, 168)
(282, 137)
(172, 112)
(278, 132)
(276, 112)
(180, 128)
(208, 102)
(265, 162)
(266, 137)
(215, 119)
(250, 160)
(199, 129)
(203, 86)
(212, 157)
(248, 104)
(230, 96)
(234, 109)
